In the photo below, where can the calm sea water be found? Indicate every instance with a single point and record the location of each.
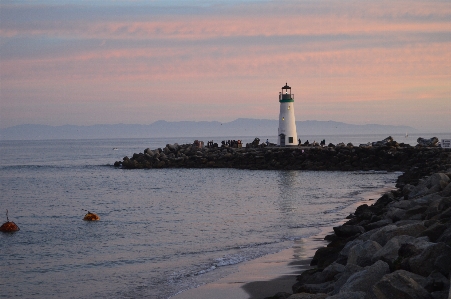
(161, 231)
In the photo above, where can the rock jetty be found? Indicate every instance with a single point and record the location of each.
(387, 155)
(399, 247)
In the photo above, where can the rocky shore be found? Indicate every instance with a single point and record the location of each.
(382, 155)
(399, 247)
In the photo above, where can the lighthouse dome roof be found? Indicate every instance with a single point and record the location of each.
(286, 86)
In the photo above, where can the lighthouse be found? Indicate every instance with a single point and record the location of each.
(287, 135)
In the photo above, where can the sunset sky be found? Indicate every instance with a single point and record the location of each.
(136, 62)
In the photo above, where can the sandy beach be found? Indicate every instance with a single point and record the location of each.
(261, 277)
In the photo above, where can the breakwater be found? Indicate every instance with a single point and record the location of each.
(385, 155)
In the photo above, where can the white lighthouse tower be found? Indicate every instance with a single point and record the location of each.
(287, 135)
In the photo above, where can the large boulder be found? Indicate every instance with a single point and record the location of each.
(435, 257)
(361, 254)
(343, 277)
(362, 281)
(384, 142)
(446, 191)
(445, 237)
(434, 231)
(396, 214)
(437, 282)
(436, 179)
(316, 288)
(325, 256)
(308, 296)
(378, 224)
(427, 142)
(345, 251)
(345, 231)
(401, 284)
(348, 295)
(389, 253)
(383, 235)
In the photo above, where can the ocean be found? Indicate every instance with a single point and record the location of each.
(161, 231)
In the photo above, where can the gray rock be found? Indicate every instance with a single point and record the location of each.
(316, 288)
(348, 295)
(445, 237)
(348, 230)
(280, 295)
(386, 233)
(402, 204)
(434, 231)
(149, 152)
(436, 282)
(436, 256)
(436, 178)
(446, 191)
(378, 224)
(401, 284)
(415, 212)
(426, 199)
(407, 222)
(361, 254)
(308, 296)
(330, 272)
(362, 281)
(367, 235)
(395, 214)
(445, 203)
(434, 189)
(389, 252)
(344, 276)
(419, 190)
(407, 189)
(345, 251)
(431, 142)
(441, 295)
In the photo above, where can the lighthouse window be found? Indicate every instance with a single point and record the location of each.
(288, 107)
(290, 139)
(283, 118)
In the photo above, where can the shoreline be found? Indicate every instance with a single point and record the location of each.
(272, 273)
(259, 278)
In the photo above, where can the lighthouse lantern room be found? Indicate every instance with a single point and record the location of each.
(287, 135)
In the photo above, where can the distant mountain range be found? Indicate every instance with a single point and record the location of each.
(161, 128)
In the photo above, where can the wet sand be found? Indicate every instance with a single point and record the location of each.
(264, 276)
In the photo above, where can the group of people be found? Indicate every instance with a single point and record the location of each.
(307, 143)
(231, 143)
(211, 144)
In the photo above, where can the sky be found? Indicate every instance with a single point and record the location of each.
(137, 62)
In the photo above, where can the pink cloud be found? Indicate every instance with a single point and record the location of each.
(331, 53)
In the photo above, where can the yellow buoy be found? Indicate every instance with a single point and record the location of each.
(91, 217)
(9, 226)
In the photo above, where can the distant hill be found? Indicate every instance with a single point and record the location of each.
(161, 128)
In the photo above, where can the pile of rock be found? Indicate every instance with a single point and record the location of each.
(399, 247)
(427, 142)
(390, 156)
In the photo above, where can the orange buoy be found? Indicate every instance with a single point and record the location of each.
(91, 217)
(9, 226)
